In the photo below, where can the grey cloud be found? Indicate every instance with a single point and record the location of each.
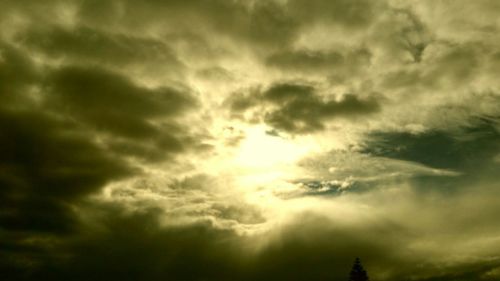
(194, 198)
(261, 22)
(335, 63)
(50, 157)
(445, 66)
(465, 149)
(215, 73)
(86, 45)
(112, 102)
(75, 120)
(158, 149)
(141, 121)
(35, 141)
(415, 36)
(306, 114)
(242, 213)
(110, 251)
(402, 36)
(268, 23)
(108, 32)
(350, 14)
(46, 165)
(458, 64)
(311, 247)
(340, 173)
(297, 108)
(17, 74)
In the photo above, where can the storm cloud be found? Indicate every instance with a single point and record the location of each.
(297, 108)
(249, 140)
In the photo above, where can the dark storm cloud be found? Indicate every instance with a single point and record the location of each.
(46, 164)
(119, 32)
(263, 22)
(51, 118)
(130, 246)
(49, 154)
(93, 109)
(302, 111)
(298, 109)
(121, 246)
(87, 45)
(486, 270)
(46, 160)
(305, 250)
(472, 147)
(113, 103)
(140, 121)
(180, 253)
(17, 73)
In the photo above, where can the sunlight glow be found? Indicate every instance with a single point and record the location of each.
(265, 160)
(261, 150)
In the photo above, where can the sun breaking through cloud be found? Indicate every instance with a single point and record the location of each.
(249, 140)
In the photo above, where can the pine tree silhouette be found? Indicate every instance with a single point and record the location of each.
(358, 273)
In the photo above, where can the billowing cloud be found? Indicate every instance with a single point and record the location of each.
(297, 108)
(66, 133)
(84, 45)
(469, 148)
(249, 140)
(339, 66)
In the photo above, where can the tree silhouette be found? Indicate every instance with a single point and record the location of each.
(358, 273)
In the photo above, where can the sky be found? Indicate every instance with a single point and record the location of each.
(249, 139)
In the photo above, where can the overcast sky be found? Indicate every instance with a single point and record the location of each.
(249, 139)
